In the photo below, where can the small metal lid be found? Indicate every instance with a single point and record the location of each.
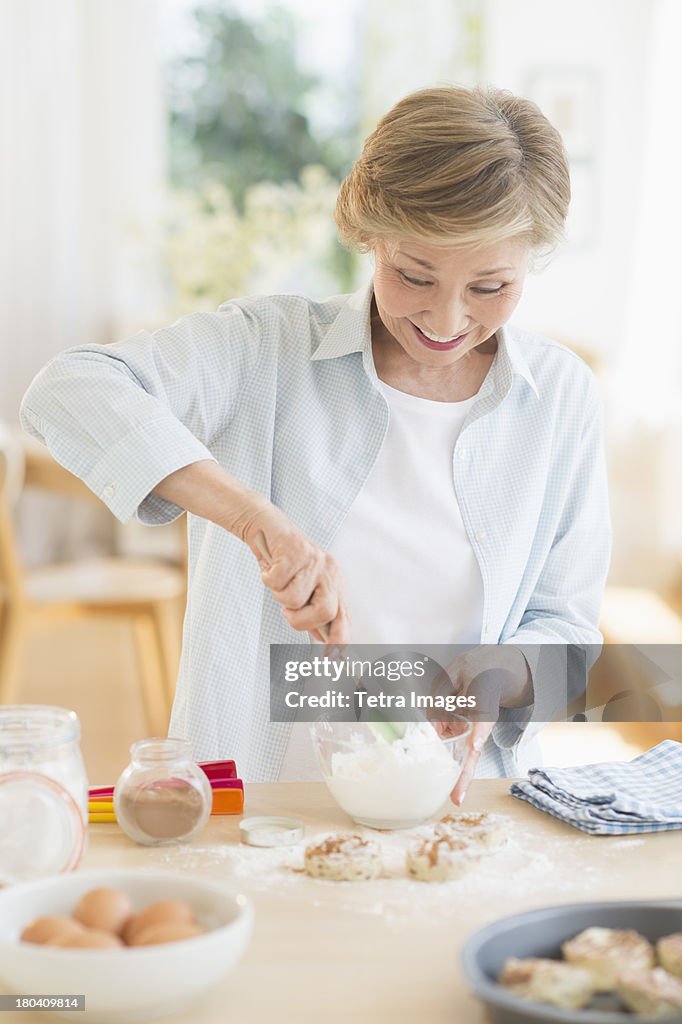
(43, 830)
(270, 830)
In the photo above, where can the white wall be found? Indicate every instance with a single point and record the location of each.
(581, 295)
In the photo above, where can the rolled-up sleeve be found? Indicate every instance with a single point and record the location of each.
(122, 417)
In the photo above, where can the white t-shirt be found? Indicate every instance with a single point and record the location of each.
(410, 572)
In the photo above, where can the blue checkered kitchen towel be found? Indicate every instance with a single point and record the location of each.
(617, 798)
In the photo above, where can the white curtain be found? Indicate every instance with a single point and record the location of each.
(81, 167)
(82, 161)
(646, 411)
(652, 346)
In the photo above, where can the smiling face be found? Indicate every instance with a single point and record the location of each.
(438, 304)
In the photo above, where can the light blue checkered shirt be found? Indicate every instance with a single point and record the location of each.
(282, 392)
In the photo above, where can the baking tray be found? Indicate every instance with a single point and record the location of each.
(541, 933)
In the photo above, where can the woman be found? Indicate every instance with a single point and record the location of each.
(414, 465)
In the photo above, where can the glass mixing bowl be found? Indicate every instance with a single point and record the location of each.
(390, 785)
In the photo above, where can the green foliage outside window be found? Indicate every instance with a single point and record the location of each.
(238, 118)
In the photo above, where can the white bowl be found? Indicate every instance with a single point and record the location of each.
(390, 785)
(130, 983)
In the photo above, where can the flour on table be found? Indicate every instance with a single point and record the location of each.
(517, 867)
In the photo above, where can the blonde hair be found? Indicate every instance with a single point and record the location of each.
(458, 166)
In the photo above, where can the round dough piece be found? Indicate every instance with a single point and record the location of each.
(605, 952)
(441, 858)
(548, 981)
(482, 828)
(343, 858)
(652, 993)
(669, 952)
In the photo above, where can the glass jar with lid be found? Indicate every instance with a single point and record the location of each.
(162, 796)
(43, 792)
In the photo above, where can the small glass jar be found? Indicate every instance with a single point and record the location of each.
(162, 796)
(43, 792)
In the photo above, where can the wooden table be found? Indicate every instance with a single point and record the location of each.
(387, 950)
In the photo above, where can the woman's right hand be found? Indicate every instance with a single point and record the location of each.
(303, 577)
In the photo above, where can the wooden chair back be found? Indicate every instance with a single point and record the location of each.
(11, 476)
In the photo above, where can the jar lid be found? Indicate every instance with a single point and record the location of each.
(43, 831)
(25, 726)
(270, 830)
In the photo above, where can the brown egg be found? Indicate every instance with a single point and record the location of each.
(89, 938)
(170, 931)
(45, 929)
(161, 912)
(104, 909)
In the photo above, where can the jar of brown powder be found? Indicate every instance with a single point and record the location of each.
(162, 796)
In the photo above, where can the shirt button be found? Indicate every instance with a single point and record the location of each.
(109, 491)
(480, 537)
(463, 453)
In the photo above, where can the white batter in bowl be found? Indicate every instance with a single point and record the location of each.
(389, 785)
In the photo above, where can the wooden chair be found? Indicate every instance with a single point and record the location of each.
(634, 615)
(144, 592)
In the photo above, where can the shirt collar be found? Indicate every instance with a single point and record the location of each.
(350, 332)
(509, 350)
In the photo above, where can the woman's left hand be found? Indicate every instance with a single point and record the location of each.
(498, 677)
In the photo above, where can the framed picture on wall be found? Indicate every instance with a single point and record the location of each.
(569, 98)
